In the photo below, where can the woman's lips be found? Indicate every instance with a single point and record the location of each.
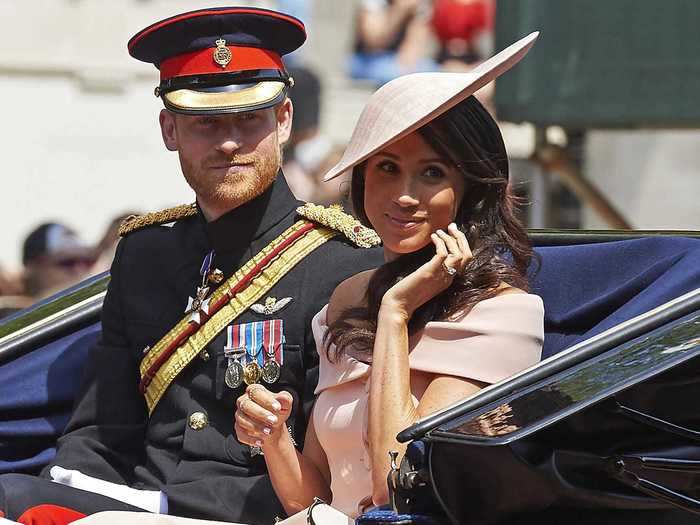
(404, 223)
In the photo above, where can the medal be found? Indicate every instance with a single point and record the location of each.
(199, 302)
(255, 352)
(234, 374)
(271, 370)
(234, 371)
(196, 302)
(274, 350)
(215, 276)
(252, 373)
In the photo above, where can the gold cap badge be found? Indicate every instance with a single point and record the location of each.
(222, 54)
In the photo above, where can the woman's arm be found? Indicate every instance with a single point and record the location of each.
(391, 407)
(378, 27)
(297, 478)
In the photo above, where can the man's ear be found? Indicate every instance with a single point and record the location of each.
(285, 110)
(168, 129)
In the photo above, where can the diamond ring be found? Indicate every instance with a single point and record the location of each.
(449, 270)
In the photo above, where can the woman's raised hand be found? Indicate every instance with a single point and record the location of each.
(261, 415)
(452, 253)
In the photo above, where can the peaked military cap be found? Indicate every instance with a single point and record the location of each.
(220, 60)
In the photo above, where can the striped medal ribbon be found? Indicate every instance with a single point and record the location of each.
(255, 351)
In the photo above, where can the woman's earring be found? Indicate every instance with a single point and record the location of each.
(472, 236)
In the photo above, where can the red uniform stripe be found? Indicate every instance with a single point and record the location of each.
(49, 515)
(202, 62)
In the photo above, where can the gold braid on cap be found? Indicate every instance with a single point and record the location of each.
(334, 217)
(136, 222)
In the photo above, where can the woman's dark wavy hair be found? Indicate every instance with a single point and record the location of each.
(468, 136)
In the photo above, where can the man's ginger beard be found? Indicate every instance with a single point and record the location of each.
(233, 189)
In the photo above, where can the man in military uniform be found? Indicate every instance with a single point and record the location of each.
(204, 298)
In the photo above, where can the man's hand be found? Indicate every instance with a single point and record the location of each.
(261, 415)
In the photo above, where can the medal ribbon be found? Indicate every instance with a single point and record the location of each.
(206, 266)
(272, 341)
(256, 340)
(261, 339)
(232, 345)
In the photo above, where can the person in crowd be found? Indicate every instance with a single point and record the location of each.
(392, 38)
(54, 258)
(464, 31)
(447, 313)
(106, 247)
(12, 298)
(309, 153)
(204, 299)
(306, 144)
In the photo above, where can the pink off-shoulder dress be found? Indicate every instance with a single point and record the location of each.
(496, 339)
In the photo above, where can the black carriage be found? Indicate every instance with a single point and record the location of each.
(604, 430)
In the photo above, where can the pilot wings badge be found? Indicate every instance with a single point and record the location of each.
(272, 305)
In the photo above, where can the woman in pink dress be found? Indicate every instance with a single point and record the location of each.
(448, 312)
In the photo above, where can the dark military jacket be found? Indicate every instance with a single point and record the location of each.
(205, 472)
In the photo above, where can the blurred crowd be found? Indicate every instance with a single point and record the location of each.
(55, 257)
(391, 38)
(396, 37)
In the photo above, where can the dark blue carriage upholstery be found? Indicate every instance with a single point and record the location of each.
(36, 395)
(586, 289)
(589, 288)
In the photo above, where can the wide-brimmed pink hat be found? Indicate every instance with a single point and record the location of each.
(409, 102)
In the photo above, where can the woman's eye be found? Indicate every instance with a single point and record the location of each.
(433, 172)
(387, 166)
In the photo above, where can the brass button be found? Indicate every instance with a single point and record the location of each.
(204, 355)
(198, 420)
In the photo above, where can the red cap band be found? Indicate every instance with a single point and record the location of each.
(202, 62)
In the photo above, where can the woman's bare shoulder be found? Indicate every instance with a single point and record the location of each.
(502, 290)
(506, 289)
(348, 294)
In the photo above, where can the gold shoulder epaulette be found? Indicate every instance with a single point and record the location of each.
(136, 222)
(334, 217)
